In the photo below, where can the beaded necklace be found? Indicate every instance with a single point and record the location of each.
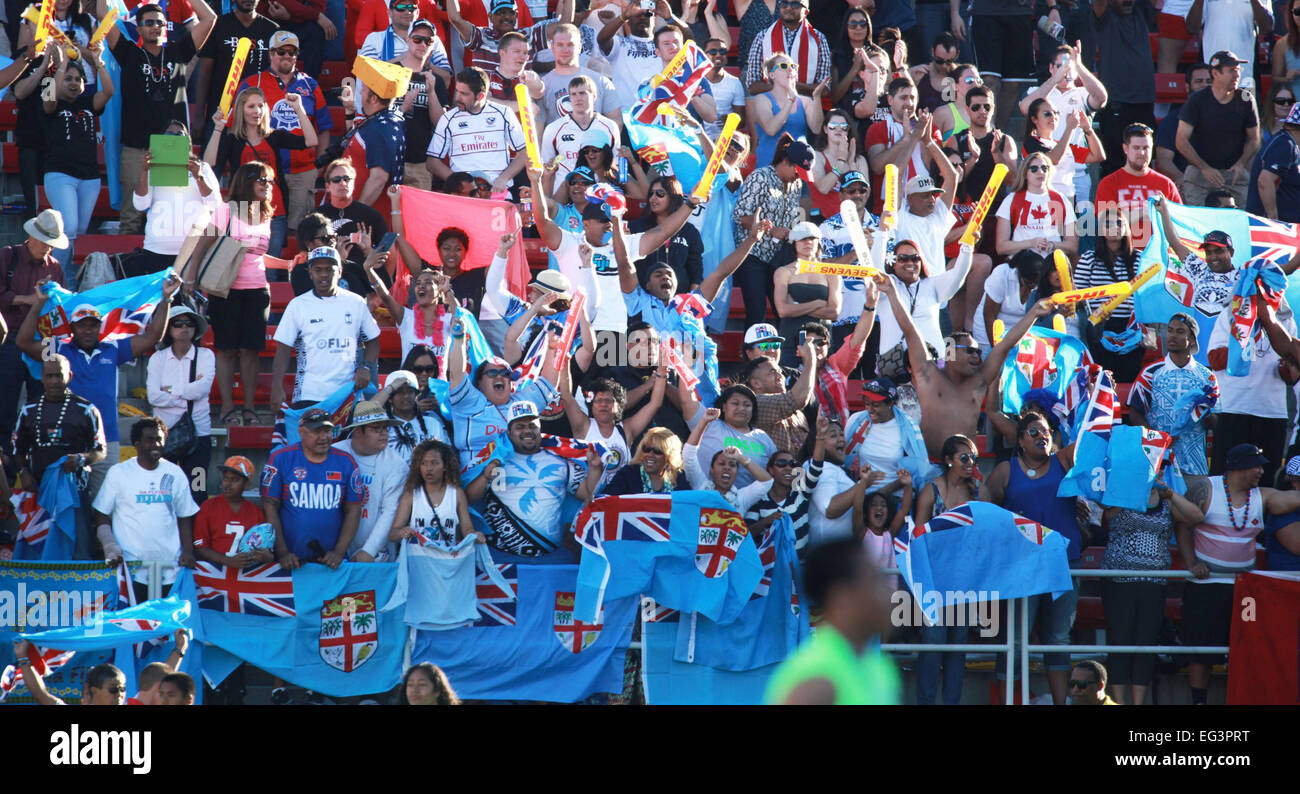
(1232, 517)
(58, 425)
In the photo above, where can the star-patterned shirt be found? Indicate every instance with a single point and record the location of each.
(1158, 390)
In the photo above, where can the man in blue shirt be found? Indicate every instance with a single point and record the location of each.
(312, 495)
(95, 362)
(1275, 176)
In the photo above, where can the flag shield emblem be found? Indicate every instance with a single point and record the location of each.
(573, 634)
(349, 630)
(721, 533)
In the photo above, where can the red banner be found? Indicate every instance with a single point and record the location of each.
(425, 215)
(1265, 644)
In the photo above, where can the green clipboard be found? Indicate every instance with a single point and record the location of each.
(171, 160)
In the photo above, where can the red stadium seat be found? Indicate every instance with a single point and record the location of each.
(8, 116)
(250, 437)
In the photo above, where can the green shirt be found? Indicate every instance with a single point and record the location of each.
(859, 680)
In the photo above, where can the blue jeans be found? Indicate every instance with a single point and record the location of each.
(279, 235)
(954, 664)
(75, 201)
(1055, 621)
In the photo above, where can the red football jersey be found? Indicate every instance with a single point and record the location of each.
(218, 528)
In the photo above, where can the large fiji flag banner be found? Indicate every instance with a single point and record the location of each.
(1265, 640)
(668, 151)
(534, 647)
(978, 551)
(125, 307)
(1043, 359)
(769, 627)
(1176, 288)
(689, 550)
(345, 638)
(36, 596)
(426, 214)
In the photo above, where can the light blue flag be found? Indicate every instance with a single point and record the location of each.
(160, 617)
(685, 160)
(338, 405)
(1175, 288)
(1043, 359)
(534, 648)
(1134, 458)
(110, 124)
(980, 552)
(689, 550)
(347, 638)
(60, 497)
(83, 588)
(716, 234)
(769, 627)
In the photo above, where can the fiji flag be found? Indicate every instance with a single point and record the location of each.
(678, 90)
(978, 551)
(125, 306)
(1176, 290)
(339, 405)
(541, 650)
(1258, 280)
(769, 627)
(1086, 477)
(1135, 459)
(120, 627)
(689, 550)
(669, 151)
(1043, 359)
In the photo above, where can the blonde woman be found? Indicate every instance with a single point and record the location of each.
(249, 138)
(783, 109)
(1034, 216)
(655, 468)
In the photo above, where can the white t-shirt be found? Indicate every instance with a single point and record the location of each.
(324, 333)
(633, 61)
(384, 476)
(729, 96)
(143, 507)
(928, 232)
(600, 281)
(1038, 221)
(833, 482)
(564, 135)
(555, 103)
(478, 142)
(1230, 25)
(883, 450)
(411, 336)
(1260, 393)
(1003, 288)
(1067, 102)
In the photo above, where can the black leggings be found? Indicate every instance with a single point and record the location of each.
(754, 278)
(1134, 611)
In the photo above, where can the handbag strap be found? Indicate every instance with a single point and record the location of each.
(194, 368)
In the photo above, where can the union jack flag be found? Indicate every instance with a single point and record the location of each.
(654, 612)
(693, 304)
(42, 661)
(265, 590)
(1275, 241)
(959, 516)
(624, 518)
(678, 90)
(496, 607)
(33, 521)
(1099, 416)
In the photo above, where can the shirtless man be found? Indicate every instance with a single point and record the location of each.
(951, 397)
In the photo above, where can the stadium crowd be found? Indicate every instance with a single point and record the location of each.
(1068, 97)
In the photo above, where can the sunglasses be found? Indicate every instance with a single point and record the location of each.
(286, 52)
(420, 39)
(496, 372)
(858, 23)
(182, 324)
(716, 51)
(776, 67)
(1076, 684)
(652, 451)
(1037, 169)
(659, 193)
(1049, 113)
(784, 463)
(907, 258)
(152, 23)
(264, 180)
(1295, 12)
(1284, 102)
(972, 81)
(944, 61)
(428, 370)
(768, 345)
(978, 108)
(837, 125)
(340, 179)
(403, 6)
(966, 458)
(970, 349)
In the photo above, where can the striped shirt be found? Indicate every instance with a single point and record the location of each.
(1092, 272)
(1219, 542)
(797, 504)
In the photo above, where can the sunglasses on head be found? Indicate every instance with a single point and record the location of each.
(420, 39)
(337, 180)
(1037, 169)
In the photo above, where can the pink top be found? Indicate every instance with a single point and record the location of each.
(256, 237)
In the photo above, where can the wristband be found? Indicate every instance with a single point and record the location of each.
(373, 368)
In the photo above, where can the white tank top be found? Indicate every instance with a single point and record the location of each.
(439, 522)
(615, 443)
